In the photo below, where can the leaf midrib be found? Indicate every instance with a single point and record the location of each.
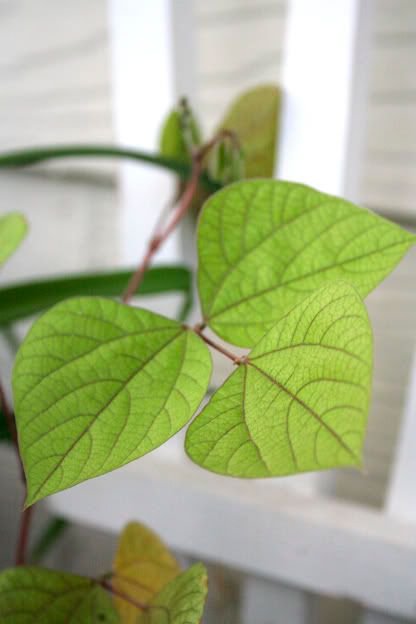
(306, 407)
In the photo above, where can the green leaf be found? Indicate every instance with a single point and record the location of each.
(143, 565)
(181, 601)
(22, 300)
(300, 401)
(13, 229)
(98, 384)
(254, 116)
(179, 129)
(263, 245)
(30, 595)
(227, 162)
(36, 155)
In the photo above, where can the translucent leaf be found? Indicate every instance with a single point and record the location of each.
(98, 384)
(143, 565)
(300, 401)
(13, 229)
(254, 116)
(181, 601)
(30, 595)
(264, 245)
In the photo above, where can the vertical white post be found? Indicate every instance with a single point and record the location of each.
(401, 499)
(324, 79)
(144, 91)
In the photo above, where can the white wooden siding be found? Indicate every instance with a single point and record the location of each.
(55, 73)
(392, 311)
(388, 185)
(238, 44)
(389, 175)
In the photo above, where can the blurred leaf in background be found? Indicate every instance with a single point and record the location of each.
(180, 133)
(143, 565)
(254, 117)
(13, 229)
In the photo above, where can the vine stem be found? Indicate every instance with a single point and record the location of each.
(11, 425)
(183, 206)
(26, 516)
(23, 539)
(198, 329)
(105, 584)
(9, 418)
(157, 240)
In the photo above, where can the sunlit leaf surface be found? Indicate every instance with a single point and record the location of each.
(98, 384)
(300, 401)
(264, 245)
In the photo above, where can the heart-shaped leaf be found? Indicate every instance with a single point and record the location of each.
(264, 245)
(30, 595)
(97, 384)
(143, 565)
(254, 117)
(181, 601)
(13, 229)
(300, 400)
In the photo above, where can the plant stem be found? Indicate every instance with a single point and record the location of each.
(23, 536)
(27, 513)
(11, 424)
(184, 204)
(35, 155)
(159, 239)
(236, 359)
(9, 418)
(108, 586)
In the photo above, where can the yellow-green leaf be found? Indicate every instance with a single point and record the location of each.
(13, 229)
(98, 384)
(254, 116)
(143, 565)
(263, 245)
(300, 401)
(181, 601)
(30, 595)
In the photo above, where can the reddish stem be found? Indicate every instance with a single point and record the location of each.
(9, 417)
(11, 425)
(108, 586)
(184, 204)
(23, 536)
(215, 345)
(159, 239)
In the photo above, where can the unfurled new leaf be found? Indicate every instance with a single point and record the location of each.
(13, 229)
(300, 402)
(98, 384)
(263, 245)
(30, 595)
(180, 133)
(181, 601)
(254, 117)
(143, 565)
